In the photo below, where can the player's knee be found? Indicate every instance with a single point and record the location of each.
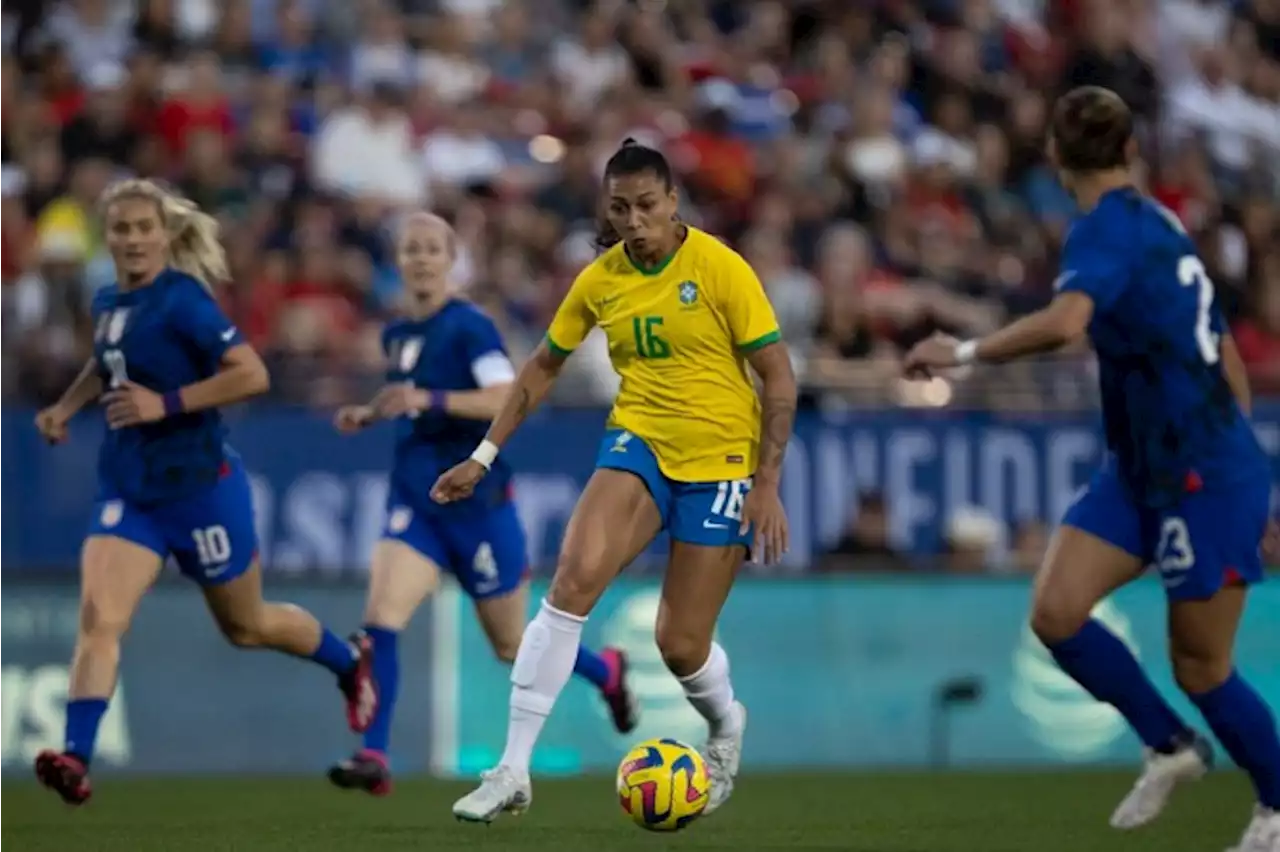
(506, 649)
(102, 623)
(575, 587)
(683, 651)
(1196, 674)
(242, 632)
(1057, 617)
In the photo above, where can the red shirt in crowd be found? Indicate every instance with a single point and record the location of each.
(179, 118)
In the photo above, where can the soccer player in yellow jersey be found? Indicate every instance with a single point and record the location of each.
(690, 447)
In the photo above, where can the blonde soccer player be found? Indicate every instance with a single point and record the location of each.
(690, 447)
(165, 360)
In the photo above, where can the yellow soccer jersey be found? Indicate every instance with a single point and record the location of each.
(678, 337)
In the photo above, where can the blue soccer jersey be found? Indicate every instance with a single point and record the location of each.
(1186, 484)
(448, 351)
(173, 486)
(163, 337)
(479, 540)
(1169, 415)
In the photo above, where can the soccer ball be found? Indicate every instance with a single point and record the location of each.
(662, 785)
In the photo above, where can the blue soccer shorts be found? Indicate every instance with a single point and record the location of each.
(483, 547)
(1204, 541)
(705, 513)
(210, 534)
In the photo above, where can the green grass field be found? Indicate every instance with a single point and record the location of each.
(989, 812)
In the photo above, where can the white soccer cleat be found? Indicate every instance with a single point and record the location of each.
(1262, 833)
(1161, 774)
(722, 755)
(500, 791)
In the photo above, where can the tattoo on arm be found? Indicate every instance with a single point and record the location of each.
(523, 405)
(777, 418)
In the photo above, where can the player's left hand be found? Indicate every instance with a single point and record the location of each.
(937, 352)
(398, 399)
(762, 509)
(458, 482)
(131, 404)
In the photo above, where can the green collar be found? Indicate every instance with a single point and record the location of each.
(657, 268)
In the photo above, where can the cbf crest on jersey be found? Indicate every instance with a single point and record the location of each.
(688, 293)
(407, 353)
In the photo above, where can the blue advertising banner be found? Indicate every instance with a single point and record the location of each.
(852, 673)
(187, 702)
(840, 672)
(320, 496)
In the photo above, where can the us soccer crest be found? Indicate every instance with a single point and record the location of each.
(688, 293)
(112, 513)
(409, 353)
(399, 520)
(111, 326)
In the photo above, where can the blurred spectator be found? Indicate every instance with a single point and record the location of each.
(865, 546)
(367, 150)
(972, 535)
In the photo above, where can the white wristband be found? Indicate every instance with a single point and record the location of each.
(966, 352)
(486, 453)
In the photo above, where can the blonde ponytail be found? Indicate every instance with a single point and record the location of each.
(194, 247)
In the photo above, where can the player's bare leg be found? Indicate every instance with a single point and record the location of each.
(114, 575)
(1201, 643)
(696, 586)
(247, 621)
(614, 521)
(1080, 570)
(400, 579)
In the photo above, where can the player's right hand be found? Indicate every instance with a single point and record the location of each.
(458, 482)
(352, 418)
(1271, 543)
(52, 423)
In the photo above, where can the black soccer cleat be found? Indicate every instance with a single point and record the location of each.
(365, 770)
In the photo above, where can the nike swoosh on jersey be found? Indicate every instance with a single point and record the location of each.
(228, 334)
(708, 525)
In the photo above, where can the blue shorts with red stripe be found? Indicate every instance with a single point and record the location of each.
(209, 534)
(1207, 539)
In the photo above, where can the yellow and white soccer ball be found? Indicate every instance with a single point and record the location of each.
(662, 785)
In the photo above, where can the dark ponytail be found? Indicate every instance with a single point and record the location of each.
(631, 158)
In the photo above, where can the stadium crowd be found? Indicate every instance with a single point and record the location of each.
(880, 164)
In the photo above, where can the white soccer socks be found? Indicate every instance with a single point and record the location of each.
(711, 693)
(543, 666)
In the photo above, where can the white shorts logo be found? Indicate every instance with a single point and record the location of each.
(400, 518)
(112, 513)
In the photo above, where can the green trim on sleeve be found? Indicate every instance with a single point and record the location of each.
(556, 347)
(752, 345)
